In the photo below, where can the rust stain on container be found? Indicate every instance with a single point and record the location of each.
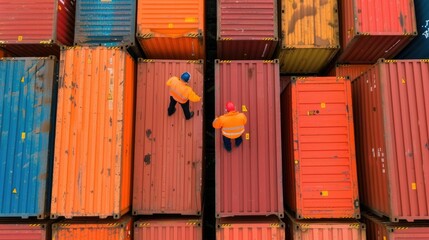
(168, 150)
(255, 228)
(318, 148)
(391, 115)
(94, 131)
(171, 229)
(248, 179)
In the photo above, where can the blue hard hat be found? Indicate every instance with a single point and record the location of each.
(185, 76)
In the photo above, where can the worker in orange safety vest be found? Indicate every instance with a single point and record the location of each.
(232, 124)
(182, 93)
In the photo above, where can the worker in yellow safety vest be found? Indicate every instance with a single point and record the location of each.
(182, 93)
(232, 124)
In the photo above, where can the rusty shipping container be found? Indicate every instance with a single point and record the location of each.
(247, 30)
(351, 71)
(326, 230)
(171, 30)
(375, 29)
(310, 35)
(168, 229)
(318, 148)
(36, 28)
(168, 150)
(94, 133)
(380, 229)
(25, 230)
(392, 121)
(250, 228)
(249, 179)
(106, 229)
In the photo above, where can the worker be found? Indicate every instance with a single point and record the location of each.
(232, 124)
(182, 93)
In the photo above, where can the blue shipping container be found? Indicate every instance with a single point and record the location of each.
(28, 95)
(107, 23)
(418, 48)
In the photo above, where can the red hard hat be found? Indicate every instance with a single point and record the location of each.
(230, 106)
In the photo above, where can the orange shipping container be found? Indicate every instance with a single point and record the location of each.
(168, 150)
(318, 148)
(93, 229)
(171, 29)
(250, 228)
(94, 131)
(168, 229)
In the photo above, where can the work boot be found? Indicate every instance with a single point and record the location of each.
(190, 115)
(171, 112)
(238, 141)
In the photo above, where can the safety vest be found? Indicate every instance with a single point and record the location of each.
(179, 90)
(232, 124)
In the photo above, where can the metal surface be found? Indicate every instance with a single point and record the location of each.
(392, 122)
(27, 119)
(94, 133)
(352, 71)
(36, 28)
(250, 228)
(318, 148)
(375, 29)
(13, 230)
(168, 150)
(171, 30)
(249, 179)
(171, 229)
(310, 35)
(93, 229)
(247, 30)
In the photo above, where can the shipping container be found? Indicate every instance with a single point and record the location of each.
(107, 23)
(94, 133)
(418, 48)
(381, 229)
(255, 228)
(168, 153)
(249, 178)
(318, 148)
(171, 30)
(327, 229)
(168, 229)
(3, 53)
(106, 229)
(375, 29)
(247, 29)
(27, 119)
(310, 35)
(351, 71)
(392, 125)
(36, 28)
(25, 230)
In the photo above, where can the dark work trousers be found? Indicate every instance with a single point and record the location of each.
(227, 142)
(185, 107)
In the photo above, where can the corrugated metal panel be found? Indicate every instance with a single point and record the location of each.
(171, 29)
(380, 229)
(250, 228)
(419, 47)
(352, 71)
(392, 119)
(375, 29)
(169, 150)
(93, 141)
(318, 148)
(310, 35)
(247, 29)
(25, 231)
(328, 229)
(36, 28)
(171, 229)
(93, 230)
(27, 119)
(249, 180)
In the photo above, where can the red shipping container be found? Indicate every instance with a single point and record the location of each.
(249, 179)
(25, 230)
(168, 229)
(380, 229)
(242, 34)
(351, 71)
(326, 230)
(250, 229)
(318, 148)
(390, 101)
(36, 28)
(375, 29)
(168, 150)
